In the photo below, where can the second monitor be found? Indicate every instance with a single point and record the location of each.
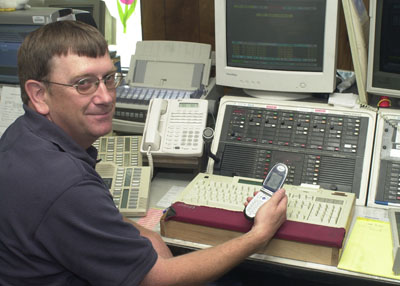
(97, 8)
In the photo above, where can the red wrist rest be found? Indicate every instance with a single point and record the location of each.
(236, 221)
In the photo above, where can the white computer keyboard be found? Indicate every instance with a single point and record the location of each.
(305, 204)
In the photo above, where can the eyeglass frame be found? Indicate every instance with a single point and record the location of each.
(96, 83)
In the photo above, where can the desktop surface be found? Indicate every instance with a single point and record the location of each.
(263, 265)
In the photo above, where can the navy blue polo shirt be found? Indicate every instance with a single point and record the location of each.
(58, 222)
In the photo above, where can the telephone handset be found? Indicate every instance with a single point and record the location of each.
(174, 127)
(154, 124)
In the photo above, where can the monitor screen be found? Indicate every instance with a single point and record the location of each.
(383, 76)
(278, 46)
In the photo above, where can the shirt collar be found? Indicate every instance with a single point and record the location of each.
(48, 130)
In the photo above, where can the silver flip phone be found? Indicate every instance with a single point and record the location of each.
(273, 182)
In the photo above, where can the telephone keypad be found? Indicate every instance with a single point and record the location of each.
(183, 131)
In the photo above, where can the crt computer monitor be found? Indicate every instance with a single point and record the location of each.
(383, 75)
(14, 27)
(11, 37)
(282, 47)
(104, 21)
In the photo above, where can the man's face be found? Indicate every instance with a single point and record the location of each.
(83, 117)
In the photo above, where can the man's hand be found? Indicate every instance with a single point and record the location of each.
(206, 265)
(271, 215)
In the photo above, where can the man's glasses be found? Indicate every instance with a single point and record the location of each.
(89, 85)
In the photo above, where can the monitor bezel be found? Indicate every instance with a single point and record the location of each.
(278, 80)
(373, 62)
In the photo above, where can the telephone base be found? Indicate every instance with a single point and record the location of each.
(194, 163)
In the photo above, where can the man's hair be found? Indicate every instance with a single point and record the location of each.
(56, 39)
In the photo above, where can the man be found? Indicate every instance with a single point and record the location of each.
(58, 223)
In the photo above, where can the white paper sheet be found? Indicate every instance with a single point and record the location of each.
(10, 106)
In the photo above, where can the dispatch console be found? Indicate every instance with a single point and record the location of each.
(322, 145)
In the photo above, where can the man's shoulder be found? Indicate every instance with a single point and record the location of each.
(36, 163)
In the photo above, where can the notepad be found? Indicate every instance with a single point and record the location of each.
(369, 249)
(10, 106)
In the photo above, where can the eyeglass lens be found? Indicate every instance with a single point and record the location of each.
(90, 84)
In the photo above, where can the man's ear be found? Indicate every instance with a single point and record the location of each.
(37, 93)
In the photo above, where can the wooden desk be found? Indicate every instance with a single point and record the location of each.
(163, 181)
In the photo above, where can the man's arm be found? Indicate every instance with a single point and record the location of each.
(208, 264)
(156, 240)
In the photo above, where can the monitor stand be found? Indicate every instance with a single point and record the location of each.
(277, 95)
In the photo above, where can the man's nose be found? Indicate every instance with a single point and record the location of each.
(103, 94)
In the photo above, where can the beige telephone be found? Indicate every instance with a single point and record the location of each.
(174, 127)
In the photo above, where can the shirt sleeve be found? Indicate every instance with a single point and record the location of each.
(85, 233)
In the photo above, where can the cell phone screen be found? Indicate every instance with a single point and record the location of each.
(274, 181)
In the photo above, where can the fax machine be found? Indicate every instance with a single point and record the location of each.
(162, 69)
